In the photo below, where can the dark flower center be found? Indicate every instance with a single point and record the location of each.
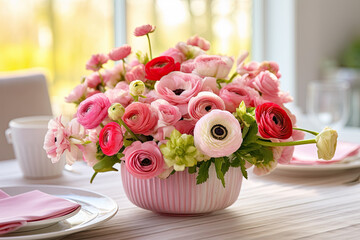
(145, 162)
(178, 91)
(276, 121)
(55, 139)
(208, 108)
(219, 132)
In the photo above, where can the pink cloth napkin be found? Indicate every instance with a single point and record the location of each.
(16, 211)
(307, 154)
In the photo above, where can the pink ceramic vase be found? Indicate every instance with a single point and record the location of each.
(179, 194)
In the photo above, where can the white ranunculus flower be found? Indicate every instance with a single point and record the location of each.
(218, 134)
(326, 142)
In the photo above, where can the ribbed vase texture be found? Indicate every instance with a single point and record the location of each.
(179, 194)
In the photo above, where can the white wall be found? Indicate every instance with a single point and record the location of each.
(301, 34)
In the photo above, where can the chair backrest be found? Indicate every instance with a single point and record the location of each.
(21, 94)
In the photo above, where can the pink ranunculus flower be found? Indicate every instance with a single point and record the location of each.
(111, 138)
(185, 126)
(213, 66)
(119, 53)
(218, 134)
(93, 110)
(234, 93)
(144, 160)
(163, 132)
(199, 42)
(168, 114)
(77, 94)
(176, 54)
(116, 75)
(204, 103)
(271, 66)
(141, 118)
(189, 51)
(93, 80)
(143, 30)
(118, 95)
(268, 85)
(77, 133)
(89, 153)
(177, 87)
(136, 73)
(210, 85)
(188, 66)
(56, 140)
(96, 61)
(150, 96)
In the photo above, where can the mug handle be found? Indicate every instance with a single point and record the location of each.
(8, 136)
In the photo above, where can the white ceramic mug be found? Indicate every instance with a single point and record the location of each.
(27, 135)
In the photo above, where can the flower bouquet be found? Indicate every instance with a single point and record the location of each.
(183, 129)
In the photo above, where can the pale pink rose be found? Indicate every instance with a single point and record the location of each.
(284, 97)
(141, 118)
(213, 66)
(176, 54)
(261, 170)
(96, 61)
(143, 30)
(217, 134)
(199, 42)
(77, 94)
(107, 76)
(93, 110)
(136, 73)
(168, 114)
(150, 96)
(204, 103)
(177, 87)
(188, 66)
(93, 80)
(188, 50)
(242, 58)
(185, 126)
(118, 95)
(163, 132)
(251, 69)
(120, 52)
(234, 93)
(210, 85)
(56, 140)
(268, 85)
(144, 160)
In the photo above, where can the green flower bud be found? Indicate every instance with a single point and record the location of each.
(137, 88)
(116, 111)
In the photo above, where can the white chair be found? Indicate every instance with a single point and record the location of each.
(21, 94)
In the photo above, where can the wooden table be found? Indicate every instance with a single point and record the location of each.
(269, 207)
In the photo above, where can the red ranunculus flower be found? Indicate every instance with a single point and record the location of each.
(111, 138)
(159, 67)
(273, 121)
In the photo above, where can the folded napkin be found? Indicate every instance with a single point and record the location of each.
(307, 154)
(16, 211)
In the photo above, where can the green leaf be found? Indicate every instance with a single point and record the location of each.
(251, 136)
(192, 169)
(218, 166)
(203, 173)
(235, 162)
(243, 168)
(106, 164)
(226, 165)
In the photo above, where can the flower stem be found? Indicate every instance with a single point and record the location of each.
(308, 131)
(232, 77)
(147, 35)
(121, 122)
(276, 144)
(123, 63)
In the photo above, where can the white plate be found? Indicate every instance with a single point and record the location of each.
(95, 209)
(319, 169)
